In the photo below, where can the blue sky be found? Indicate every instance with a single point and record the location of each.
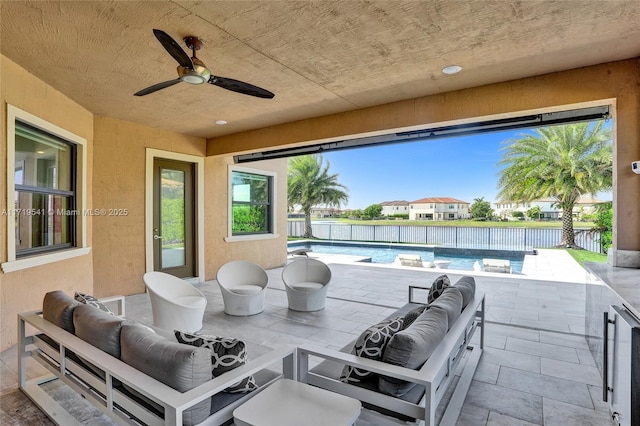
(464, 167)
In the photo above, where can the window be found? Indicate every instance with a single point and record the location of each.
(452, 206)
(46, 170)
(452, 216)
(44, 182)
(252, 206)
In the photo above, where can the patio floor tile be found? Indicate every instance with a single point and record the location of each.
(546, 386)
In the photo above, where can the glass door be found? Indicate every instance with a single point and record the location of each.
(173, 218)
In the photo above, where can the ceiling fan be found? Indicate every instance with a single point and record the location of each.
(194, 71)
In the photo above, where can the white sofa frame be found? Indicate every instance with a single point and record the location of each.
(110, 400)
(435, 375)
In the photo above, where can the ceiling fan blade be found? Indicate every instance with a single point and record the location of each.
(173, 48)
(157, 87)
(240, 87)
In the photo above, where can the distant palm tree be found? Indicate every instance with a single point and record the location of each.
(309, 184)
(561, 162)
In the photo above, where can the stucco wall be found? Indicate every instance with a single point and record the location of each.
(615, 82)
(119, 183)
(116, 180)
(267, 253)
(23, 290)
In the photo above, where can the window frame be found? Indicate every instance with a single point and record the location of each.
(70, 193)
(272, 233)
(78, 245)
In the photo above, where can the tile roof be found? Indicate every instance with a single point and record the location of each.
(395, 203)
(439, 200)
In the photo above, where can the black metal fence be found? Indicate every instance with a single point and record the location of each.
(524, 239)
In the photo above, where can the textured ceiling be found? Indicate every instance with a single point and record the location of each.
(318, 57)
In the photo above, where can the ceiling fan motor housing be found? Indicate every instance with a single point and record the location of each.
(198, 75)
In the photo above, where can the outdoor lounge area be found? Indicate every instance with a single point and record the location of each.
(536, 367)
(116, 164)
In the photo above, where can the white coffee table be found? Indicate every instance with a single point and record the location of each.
(291, 403)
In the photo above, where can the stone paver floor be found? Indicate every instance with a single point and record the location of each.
(536, 368)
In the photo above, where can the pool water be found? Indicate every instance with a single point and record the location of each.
(461, 259)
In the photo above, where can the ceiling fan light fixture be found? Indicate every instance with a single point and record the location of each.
(452, 69)
(192, 79)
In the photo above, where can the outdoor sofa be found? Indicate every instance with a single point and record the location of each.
(408, 378)
(131, 372)
(137, 375)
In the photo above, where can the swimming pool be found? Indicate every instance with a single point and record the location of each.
(461, 259)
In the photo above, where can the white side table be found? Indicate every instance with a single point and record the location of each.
(291, 403)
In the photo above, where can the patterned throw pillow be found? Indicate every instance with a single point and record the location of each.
(438, 287)
(227, 353)
(90, 300)
(412, 315)
(371, 344)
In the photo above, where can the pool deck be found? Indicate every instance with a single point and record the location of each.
(548, 264)
(536, 368)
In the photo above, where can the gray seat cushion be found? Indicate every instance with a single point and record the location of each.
(182, 367)
(412, 347)
(58, 307)
(467, 286)
(451, 301)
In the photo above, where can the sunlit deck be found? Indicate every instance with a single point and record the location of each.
(536, 368)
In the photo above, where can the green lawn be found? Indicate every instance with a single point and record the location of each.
(470, 223)
(582, 256)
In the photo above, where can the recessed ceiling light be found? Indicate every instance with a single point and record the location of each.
(452, 69)
(221, 122)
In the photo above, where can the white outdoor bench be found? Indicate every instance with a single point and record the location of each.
(67, 357)
(435, 376)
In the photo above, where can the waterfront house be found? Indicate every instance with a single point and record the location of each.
(585, 205)
(390, 208)
(439, 208)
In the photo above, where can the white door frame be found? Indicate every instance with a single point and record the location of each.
(151, 155)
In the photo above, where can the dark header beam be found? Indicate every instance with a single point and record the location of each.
(523, 122)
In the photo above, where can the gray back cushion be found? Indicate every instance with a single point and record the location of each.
(412, 347)
(182, 367)
(451, 301)
(467, 286)
(57, 308)
(98, 328)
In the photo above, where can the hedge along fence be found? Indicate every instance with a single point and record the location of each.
(524, 239)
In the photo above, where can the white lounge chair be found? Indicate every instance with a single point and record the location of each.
(307, 282)
(175, 304)
(243, 285)
(441, 264)
(409, 260)
(496, 265)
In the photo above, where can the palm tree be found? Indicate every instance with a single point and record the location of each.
(310, 184)
(561, 162)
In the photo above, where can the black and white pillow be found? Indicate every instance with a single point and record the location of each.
(412, 315)
(227, 353)
(371, 344)
(438, 287)
(90, 300)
